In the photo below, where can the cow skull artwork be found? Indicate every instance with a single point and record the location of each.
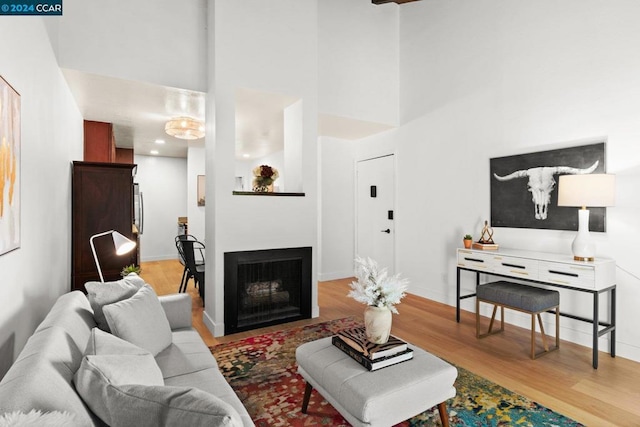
(541, 183)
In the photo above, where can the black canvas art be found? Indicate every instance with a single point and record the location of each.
(524, 191)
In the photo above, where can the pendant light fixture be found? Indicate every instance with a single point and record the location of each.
(185, 128)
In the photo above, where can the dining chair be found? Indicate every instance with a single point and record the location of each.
(192, 256)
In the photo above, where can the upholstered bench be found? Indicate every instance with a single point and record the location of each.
(524, 298)
(378, 398)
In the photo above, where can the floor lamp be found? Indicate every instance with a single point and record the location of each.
(588, 190)
(121, 244)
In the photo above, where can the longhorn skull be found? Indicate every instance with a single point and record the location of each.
(541, 183)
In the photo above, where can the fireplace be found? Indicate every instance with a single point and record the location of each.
(266, 287)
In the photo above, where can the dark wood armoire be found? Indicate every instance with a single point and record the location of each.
(102, 200)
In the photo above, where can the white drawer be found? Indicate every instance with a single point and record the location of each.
(476, 260)
(579, 276)
(516, 267)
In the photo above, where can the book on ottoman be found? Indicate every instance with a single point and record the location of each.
(357, 339)
(371, 364)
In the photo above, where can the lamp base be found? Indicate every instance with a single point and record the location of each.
(583, 247)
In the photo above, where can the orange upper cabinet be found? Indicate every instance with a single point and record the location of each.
(99, 142)
(124, 155)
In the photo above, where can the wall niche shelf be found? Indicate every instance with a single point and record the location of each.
(253, 193)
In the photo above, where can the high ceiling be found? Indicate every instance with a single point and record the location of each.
(140, 110)
(137, 110)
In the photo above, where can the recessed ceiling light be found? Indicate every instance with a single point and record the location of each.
(154, 152)
(159, 141)
(246, 156)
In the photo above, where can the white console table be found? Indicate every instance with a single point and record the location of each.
(595, 277)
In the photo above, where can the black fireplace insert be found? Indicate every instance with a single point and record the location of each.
(266, 287)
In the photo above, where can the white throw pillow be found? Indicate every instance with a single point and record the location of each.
(109, 362)
(103, 343)
(152, 406)
(101, 294)
(140, 320)
(122, 384)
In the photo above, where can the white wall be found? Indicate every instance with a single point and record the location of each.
(34, 275)
(155, 41)
(268, 46)
(196, 214)
(163, 182)
(491, 78)
(337, 199)
(358, 63)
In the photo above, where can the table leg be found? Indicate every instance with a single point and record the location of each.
(444, 416)
(307, 395)
(596, 320)
(612, 336)
(458, 294)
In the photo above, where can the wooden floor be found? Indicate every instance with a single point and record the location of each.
(563, 380)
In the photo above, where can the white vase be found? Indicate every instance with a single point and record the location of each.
(377, 324)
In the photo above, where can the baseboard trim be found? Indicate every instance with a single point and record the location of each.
(323, 277)
(158, 258)
(216, 329)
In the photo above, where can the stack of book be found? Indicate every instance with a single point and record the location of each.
(372, 356)
(485, 246)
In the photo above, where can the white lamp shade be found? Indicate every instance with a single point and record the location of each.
(122, 244)
(589, 190)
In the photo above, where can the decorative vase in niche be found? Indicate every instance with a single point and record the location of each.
(262, 187)
(377, 324)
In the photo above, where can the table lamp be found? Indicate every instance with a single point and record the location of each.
(588, 190)
(120, 242)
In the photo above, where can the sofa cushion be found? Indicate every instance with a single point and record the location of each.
(140, 320)
(73, 313)
(187, 353)
(188, 362)
(103, 343)
(177, 307)
(109, 362)
(101, 294)
(39, 418)
(41, 377)
(142, 406)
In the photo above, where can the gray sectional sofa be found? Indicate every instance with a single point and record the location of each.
(70, 366)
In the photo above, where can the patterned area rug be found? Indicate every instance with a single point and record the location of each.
(263, 372)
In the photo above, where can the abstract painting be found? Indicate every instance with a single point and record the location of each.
(524, 188)
(9, 167)
(201, 190)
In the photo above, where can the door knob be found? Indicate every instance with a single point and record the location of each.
(388, 231)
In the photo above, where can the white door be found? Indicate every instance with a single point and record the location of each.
(375, 195)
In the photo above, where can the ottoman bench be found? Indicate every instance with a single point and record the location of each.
(376, 398)
(527, 299)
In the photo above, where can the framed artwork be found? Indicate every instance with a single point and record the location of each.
(524, 188)
(201, 192)
(9, 167)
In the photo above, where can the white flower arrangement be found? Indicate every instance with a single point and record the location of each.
(375, 287)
